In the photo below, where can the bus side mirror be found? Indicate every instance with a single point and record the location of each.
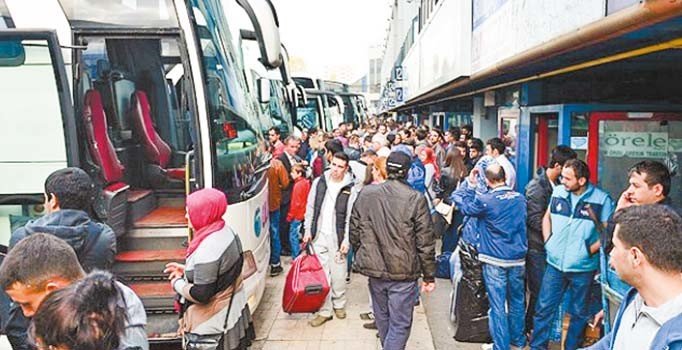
(339, 104)
(302, 95)
(263, 90)
(266, 26)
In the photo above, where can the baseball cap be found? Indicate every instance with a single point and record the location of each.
(398, 163)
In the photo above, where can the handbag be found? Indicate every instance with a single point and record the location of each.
(446, 210)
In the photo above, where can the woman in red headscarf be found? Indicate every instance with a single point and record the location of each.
(428, 158)
(213, 303)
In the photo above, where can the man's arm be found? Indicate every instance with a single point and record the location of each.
(355, 225)
(466, 201)
(426, 242)
(537, 205)
(310, 210)
(546, 225)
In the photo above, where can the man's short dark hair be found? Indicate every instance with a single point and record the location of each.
(36, 259)
(495, 174)
(72, 186)
(455, 132)
(477, 144)
(580, 168)
(496, 143)
(560, 154)
(656, 230)
(468, 127)
(656, 174)
(390, 138)
(275, 130)
(342, 156)
(335, 146)
(406, 131)
(421, 134)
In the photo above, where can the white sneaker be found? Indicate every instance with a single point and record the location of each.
(486, 346)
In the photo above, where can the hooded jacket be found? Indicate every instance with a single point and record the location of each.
(668, 337)
(392, 234)
(77, 229)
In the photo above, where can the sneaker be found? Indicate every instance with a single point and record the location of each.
(348, 279)
(486, 346)
(370, 325)
(275, 270)
(319, 320)
(340, 313)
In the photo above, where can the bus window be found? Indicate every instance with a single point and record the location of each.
(237, 139)
(31, 117)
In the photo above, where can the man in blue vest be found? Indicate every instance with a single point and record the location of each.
(572, 244)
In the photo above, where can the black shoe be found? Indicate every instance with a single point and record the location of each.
(370, 325)
(275, 270)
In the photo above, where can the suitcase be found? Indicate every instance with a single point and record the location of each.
(306, 285)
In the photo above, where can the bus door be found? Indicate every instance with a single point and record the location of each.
(39, 132)
(546, 137)
(618, 140)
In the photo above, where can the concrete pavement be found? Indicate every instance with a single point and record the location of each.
(278, 330)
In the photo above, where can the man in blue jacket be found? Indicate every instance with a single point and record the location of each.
(572, 243)
(647, 254)
(502, 226)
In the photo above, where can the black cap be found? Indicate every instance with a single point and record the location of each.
(398, 163)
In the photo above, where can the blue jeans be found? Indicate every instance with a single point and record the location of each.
(294, 229)
(275, 243)
(505, 286)
(536, 263)
(393, 305)
(554, 284)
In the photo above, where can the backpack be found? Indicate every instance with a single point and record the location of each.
(416, 176)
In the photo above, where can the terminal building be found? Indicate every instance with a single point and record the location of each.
(603, 76)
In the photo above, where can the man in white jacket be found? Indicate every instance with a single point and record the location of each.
(326, 224)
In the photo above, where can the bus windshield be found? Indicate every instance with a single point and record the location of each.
(236, 132)
(120, 13)
(309, 114)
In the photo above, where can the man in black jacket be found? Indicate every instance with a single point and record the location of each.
(68, 195)
(538, 193)
(392, 235)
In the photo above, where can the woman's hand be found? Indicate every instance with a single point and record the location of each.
(175, 270)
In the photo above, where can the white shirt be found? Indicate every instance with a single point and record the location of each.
(509, 170)
(640, 323)
(328, 213)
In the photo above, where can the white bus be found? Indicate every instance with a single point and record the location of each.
(160, 108)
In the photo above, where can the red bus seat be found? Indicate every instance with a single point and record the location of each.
(104, 156)
(156, 150)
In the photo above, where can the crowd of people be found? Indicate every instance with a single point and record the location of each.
(383, 194)
(379, 200)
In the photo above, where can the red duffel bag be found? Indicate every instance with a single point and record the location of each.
(306, 287)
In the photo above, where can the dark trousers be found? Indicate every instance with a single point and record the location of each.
(536, 262)
(393, 305)
(284, 228)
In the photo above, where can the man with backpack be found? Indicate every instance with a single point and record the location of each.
(68, 195)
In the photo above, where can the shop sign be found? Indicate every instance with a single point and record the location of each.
(635, 144)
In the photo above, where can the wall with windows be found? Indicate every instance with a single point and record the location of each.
(401, 23)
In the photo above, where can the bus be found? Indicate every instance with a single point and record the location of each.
(354, 105)
(323, 110)
(150, 98)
